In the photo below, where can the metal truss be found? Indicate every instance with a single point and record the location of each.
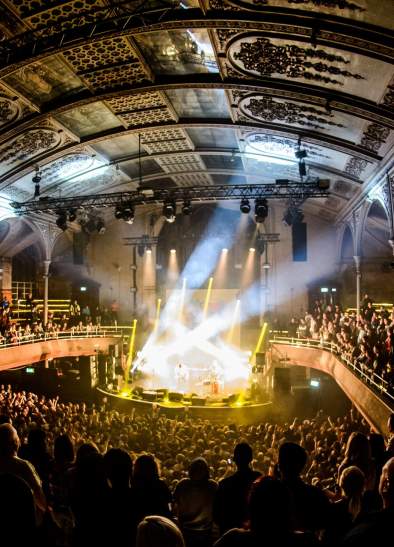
(282, 189)
(144, 240)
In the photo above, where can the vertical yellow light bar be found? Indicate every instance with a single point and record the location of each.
(207, 298)
(234, 322)
(157, 316)
(131, 351)
(260, 340)
(182, 300)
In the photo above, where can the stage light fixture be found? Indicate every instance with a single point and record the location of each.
(293, 216)
(72, 215)
(100, 226)
(169, 211)
(302, 168)
(61, 221)
(173, 251)
(37, 179)
(149, 249)
(224, 250)
(245, 206)
(260, 210)
(125, 211)
(252, 249)
(187, 208)
(118, 212)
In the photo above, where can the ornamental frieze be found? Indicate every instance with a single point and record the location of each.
(329, 4)
(261, 55)
(269, 110)
(356, 166)
(374, 137)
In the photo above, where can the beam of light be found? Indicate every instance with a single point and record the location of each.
(131, 351)
(173, 270)
(157, 316)
(221, 269)
(149, 270)
(234, 322)
(249, 269)
(207, 298)
(182, 300)
(261, 339)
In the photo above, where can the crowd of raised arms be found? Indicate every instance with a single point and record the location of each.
(76, 474)
(366, 340)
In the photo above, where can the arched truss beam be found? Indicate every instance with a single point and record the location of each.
(304, 93)
(307, 137)
(316, 28)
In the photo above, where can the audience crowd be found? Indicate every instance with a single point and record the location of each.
(31, 326)
(77, 474)
(366, 340)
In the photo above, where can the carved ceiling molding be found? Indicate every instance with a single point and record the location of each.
(263, 108)
(335, 4)
(374, 137)
(266, 58)
(49, 233)
(12, 108)
(356, 167)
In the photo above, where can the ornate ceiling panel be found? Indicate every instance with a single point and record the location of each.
(219, 92)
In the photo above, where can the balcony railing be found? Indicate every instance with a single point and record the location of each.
(96, 332)
(379, 384)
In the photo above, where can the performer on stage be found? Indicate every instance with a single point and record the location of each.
(181, 377)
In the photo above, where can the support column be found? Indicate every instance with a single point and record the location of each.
(46, 264)
(6, 277)
(357, 262)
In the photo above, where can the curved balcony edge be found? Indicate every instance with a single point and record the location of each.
(26, 354)
(371, 406)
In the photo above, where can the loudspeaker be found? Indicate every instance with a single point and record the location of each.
(260, 359)
(162, 393)
(102, 369)
(282, 383)
(299, 242)
(149, 396)
(88, 371)
(198, 401)
(175, 397)
(232, 398)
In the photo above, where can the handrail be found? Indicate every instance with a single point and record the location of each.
(97, 332)
(374, 379)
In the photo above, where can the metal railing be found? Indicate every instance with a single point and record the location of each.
(95, 332)
(378, 383)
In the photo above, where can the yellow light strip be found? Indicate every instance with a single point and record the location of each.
(131, 351)
(207, 298)
(261, 339)
(157, 316)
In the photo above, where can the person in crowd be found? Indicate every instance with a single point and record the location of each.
(149, 489)
(35, 451)
(11, 463)
(157, 531)
(390, 442)
(230, 508)
(345, 511)
(376, 528)
(358, 453)
(193, 504)
(271, 519)
(311, 505)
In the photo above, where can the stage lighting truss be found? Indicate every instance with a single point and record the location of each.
(122, 201)
(145, 241)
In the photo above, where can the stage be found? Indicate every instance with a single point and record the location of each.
(239, 412)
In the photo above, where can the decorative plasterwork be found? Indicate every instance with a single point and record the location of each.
(356, 166)
(107, 64)
(193, 179)
(166, 140)
(12, 108)
(261, 55)
(375, 136)
(181, 163)
(33, 143)
(265, 108)
(329, 4)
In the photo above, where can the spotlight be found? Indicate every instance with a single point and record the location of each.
(100, 226)
(140, 250)
(36, 179)
(260, 210)
(149, 249)
(324, 184)
(224, 250)
(300, 154)
(72, 215)
(173, 251)
(187, 208)
(90, 226)
(293, 216)
(302, 168)
(118, 212)
(245, 206)
(61, 221)
(169, 211)
(252, 249)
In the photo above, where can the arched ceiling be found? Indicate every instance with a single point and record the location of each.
(218, 91)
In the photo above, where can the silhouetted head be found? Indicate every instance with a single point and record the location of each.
(119, 467)
(292, 460)
(243, 454)
(270, 507)
(155, 531)
(9, 441)
(199, 470)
